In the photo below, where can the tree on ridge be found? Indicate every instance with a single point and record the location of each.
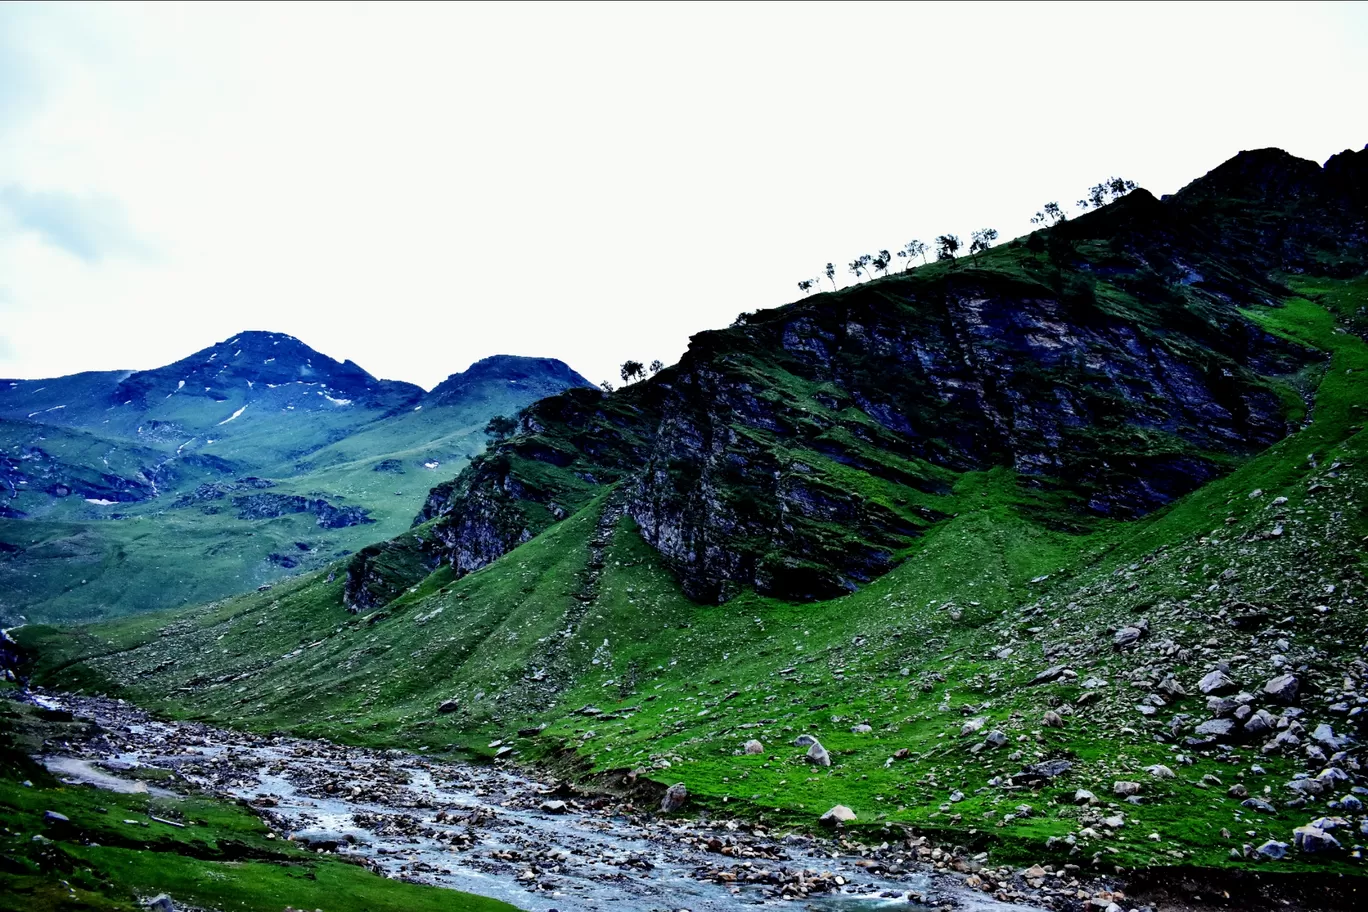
(947, 245)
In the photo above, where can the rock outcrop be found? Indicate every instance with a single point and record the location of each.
(1105, 361)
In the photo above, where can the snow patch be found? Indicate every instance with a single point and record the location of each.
(417, 408)
(31, 414)
(55, 408)
(232, 416)
(337, 401)
(268, 361)
(100, 501)
(431, 465)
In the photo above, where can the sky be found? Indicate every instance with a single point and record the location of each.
(416, 187)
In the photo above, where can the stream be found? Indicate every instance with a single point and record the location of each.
(496, 832)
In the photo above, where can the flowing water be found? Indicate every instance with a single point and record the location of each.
(495, 832)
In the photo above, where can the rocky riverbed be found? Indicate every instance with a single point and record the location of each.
(537, 844)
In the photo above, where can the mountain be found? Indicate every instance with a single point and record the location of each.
(1055, 552)
(246, 461)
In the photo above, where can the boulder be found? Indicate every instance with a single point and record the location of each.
(1083, 796)
(554, 807)
(973, 725)
(1260, 723)
(1217, 683)
(161, 903)
(1216, 728)
(1170, 687)
(1281, 741)
(1332, 777)
(1282, 689)
(54, 817)
(753, 747)
(1124, 789)
(1053, 720)
(1041, 772)
(995, 739)
(1325, 736)
(839, 814)
(1127, 636)
(674, 799)
(1308, 787)
(818, 755)
(1050, 674)
(1312, 840)
(804, 741)
(1159, 771)
(1258, 804)
(1272, 850)
(861, 729)
(448, 706)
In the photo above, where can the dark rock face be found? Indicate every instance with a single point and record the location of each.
(379, 573)
(1108, 366)
(40, 471)
(269, 506)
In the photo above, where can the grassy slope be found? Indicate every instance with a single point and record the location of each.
(111, 855)
(682, 685)
(78, 565)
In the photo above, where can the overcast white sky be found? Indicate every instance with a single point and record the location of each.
(415, 187)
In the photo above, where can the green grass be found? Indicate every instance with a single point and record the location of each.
(70, 561)
(682, 685)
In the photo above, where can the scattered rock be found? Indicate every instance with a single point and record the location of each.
(1124, 789)
(1283, 689)
(1217, 683)
(839, 814)
(1312, 839)
(753, 747)
(1053, 673)
(674, 799)
(1216, 728)
(1272, 850)
(1127, 636)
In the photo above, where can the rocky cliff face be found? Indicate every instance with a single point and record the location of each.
(1106, 362)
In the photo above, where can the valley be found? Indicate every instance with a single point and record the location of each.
(1049, 561)
(249, 461)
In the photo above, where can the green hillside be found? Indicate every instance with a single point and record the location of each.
(1031, 545)
(147, 490)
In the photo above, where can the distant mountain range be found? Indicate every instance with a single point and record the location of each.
(250, 459)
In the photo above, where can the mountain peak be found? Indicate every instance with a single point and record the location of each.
(546, 376)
